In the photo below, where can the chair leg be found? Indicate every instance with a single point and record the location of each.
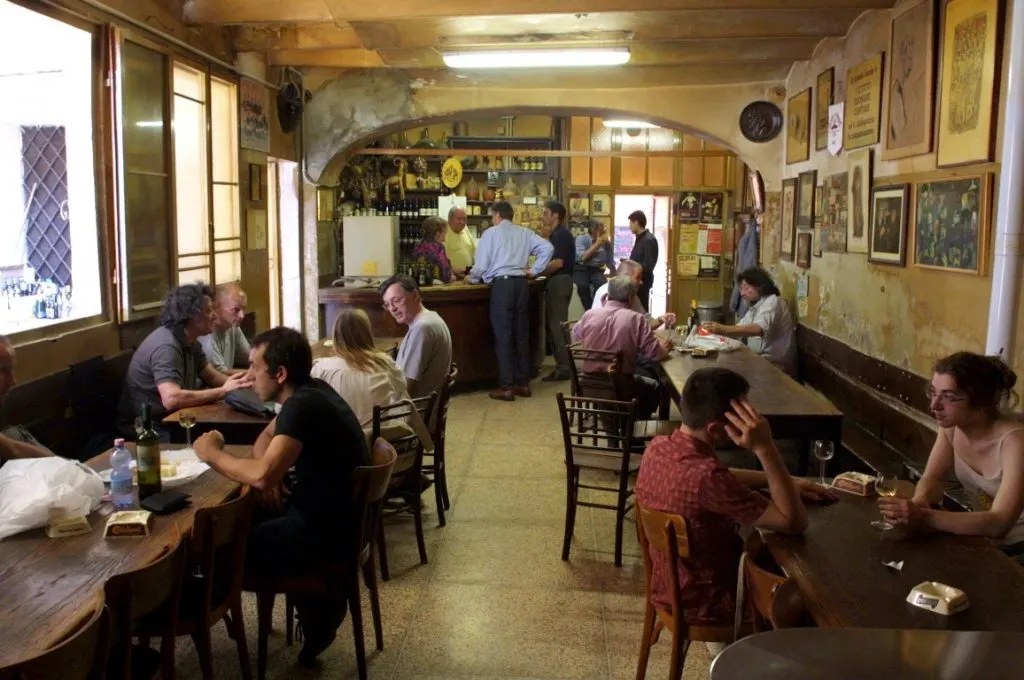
(382, 551)
(238, 628)
(356, 607)
(620, 518)
(264, 613)
(421, 543)
(571, 490)
(679, 648)
(168, 670)
(204, 648)
(646, 642)
(438, 491)
(370, 578)
(444, 487)
(289, 620)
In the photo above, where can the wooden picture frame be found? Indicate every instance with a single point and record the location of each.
(803, 249)
(971, 50)
(824, 98)
(256, 183)
(798, 127)
(805, 199)
(787, 241)
(908, 113)
(835, 218)
(600, 205)
(862, 115)
(858, 203)
(951, 223)
(890, 207)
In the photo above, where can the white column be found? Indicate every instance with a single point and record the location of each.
(1002, 312)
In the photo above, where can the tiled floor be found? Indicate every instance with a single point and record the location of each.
(496, 600)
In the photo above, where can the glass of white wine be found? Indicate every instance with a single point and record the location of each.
(823, 451)
(885, 485)
(187, 419)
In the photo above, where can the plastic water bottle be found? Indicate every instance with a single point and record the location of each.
(122, 488)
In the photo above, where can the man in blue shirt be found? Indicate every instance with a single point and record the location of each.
(502, 262)
(593, 259)
(559, 287)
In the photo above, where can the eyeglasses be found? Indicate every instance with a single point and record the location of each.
(944, 397)
(389, 305)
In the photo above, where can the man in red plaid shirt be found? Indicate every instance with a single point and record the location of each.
(680, 474)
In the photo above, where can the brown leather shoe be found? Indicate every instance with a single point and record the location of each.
(503, 395)
(522, 391)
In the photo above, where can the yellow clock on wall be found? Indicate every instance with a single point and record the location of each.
(451, 173)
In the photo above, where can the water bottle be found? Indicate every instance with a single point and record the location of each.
(122, 488)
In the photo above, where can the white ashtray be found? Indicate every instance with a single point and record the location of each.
(938, 597)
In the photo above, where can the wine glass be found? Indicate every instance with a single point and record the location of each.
(823, 451)
(885, 485)
(187, 419)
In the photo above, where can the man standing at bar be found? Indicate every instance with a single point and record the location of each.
(502, 261)
(459, 243)
(645, 251)
(559, 286)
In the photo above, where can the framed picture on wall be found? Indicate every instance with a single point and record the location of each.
(787, 243)
(798, 127)
(862, 115)
(822, 100)
(858, 203)
(600, 205)
(889, 207)
(805, 199)
(908, 117)
(803, 249)
(255, 182)
(951, 221)
(970, 53)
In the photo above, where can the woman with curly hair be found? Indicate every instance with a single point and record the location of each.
(430, 251)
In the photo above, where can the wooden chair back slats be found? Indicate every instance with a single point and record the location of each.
(664, 533)
(81, 655)
(369, 487)
(586, 380)
(770, 597)
(596, 426)
(217, 554)
(391, 423)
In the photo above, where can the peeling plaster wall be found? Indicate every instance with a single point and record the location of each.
(907, 316)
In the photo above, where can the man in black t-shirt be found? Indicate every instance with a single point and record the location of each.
(317, 433)
(645, 251)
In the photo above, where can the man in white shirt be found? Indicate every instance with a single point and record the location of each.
(226, 348)
(636, 272)
(459, 243)
(425, 354)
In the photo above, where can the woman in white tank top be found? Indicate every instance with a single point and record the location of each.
(978, 443)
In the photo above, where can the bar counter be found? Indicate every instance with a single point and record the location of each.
(466, 310)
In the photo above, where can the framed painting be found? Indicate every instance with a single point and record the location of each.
(908, 117)
(711, 207)
(823, 100)
(858, 200)
(803, 249)
(819, 204)
(805, 199)
(798, 128)
(816, 249)
(970, 56)
(601, 205)
(863, 111)
(788, 236)
(689, 206)
(889, 207)
(835, 214)
(951, 220)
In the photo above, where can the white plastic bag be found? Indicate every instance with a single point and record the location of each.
(698, 340)
(37, 491)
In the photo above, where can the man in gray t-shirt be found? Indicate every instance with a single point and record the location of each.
(425, 354)
(226, 347)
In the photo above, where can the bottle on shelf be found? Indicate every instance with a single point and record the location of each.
(122, 486)
(693, 321)
(148, 451)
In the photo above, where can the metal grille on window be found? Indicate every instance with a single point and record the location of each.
(45, 182)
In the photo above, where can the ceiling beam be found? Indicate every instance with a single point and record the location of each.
(295, 37)
(608, 78)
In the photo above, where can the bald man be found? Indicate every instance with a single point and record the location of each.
(459, 243)
(226, 347)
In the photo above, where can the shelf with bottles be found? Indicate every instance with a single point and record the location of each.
(25, 298)
(542, 171)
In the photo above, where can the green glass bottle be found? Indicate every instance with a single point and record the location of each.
(148, 453)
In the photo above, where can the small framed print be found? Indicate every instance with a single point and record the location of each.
(889, 207)
(803, 249)
(805, 199)
(600, 205)
(256, 183)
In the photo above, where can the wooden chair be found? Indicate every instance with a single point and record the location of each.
(146, 599)
(770, 598)
(82, 655)
(212, 588)
(436, 469)
(666, 534)
(597, 435)
(399, 427)
(369, 485)
(567, 332)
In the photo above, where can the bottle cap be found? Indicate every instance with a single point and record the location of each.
(118, 442)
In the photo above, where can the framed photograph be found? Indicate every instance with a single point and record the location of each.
(951, 220)
(579, 206)
(788, 240)
(805, 199)
(256, 182)
(798, 127)
(803, 249)
(600, 205)
(823, 100)
(689, 206)
(816, 247)
(970, 57)
(858, 200)
(889, 207)
(908, 118)
(862, 115)
(819, 204)
(835, 216)
(711, 207)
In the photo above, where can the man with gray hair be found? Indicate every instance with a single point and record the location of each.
(15, 441)
(616, 327)
(459, 243)
(634, 271)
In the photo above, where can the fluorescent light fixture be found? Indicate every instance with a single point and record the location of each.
(628, 124)
(149, 123)
(531, 58)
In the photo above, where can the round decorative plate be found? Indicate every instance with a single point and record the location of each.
(761, 121)
(451, 172)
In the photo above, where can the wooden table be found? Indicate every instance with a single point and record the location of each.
(48, 585)
(832, 654)
(838, 565)
(793, 411)
(237, 427)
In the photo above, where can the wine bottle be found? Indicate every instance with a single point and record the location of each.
(148, 453)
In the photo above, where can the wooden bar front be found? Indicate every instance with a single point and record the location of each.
(466, 310)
